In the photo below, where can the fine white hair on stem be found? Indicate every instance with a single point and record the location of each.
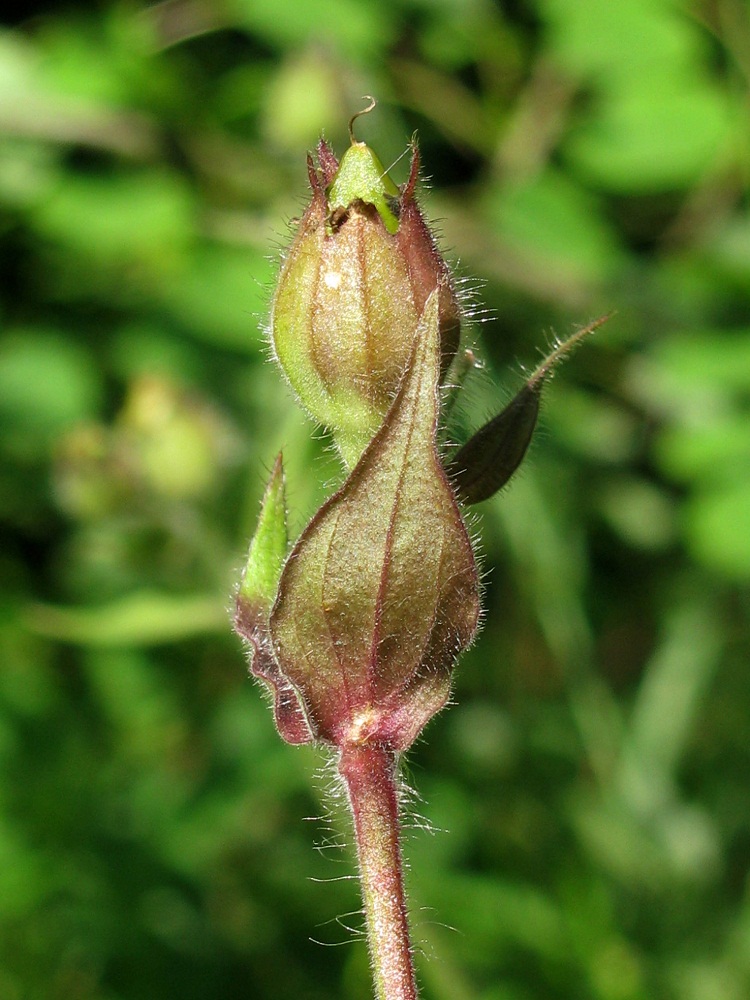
(354, 934)
(332, 878)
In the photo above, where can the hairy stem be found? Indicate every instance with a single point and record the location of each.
(369, 771)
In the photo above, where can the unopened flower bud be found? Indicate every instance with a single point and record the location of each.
(380, 593)
(351, 290)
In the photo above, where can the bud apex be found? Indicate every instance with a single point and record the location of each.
(351, 291)
(269, 545)
(361, 176)
(380, 593)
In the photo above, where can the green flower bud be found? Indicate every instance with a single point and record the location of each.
(351, 290)
(380, 593)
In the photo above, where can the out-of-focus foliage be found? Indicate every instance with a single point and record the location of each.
(585, 155)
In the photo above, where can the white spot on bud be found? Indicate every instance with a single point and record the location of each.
(332, 279)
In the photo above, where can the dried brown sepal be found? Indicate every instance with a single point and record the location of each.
(490, 457)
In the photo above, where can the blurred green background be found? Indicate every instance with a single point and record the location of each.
(589, 793)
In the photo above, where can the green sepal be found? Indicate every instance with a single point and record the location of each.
(268, 547)
(255, 597)
(362, 177)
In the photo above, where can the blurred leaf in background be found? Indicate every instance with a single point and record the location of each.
(592, 778)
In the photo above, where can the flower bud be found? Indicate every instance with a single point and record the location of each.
(380, 593)
(351, 290)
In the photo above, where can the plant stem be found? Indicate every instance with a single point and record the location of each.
(369, 771)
